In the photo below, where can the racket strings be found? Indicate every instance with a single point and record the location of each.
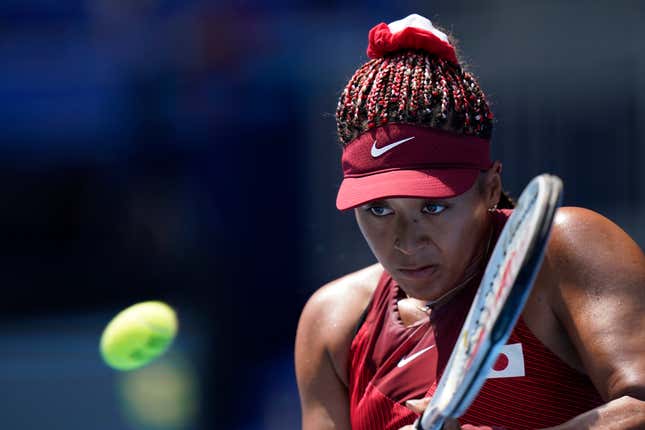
(486, 304)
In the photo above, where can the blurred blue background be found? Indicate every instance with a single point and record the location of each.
(186, 151)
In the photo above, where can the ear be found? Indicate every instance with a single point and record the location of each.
(492, 184)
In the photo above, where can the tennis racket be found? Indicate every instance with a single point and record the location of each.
(502, 293)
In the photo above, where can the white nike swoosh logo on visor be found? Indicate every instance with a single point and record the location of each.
(377, 152)
(406, 360)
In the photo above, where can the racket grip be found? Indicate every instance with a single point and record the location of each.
(437, 424)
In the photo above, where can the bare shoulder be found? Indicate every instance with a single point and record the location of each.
(588, 253)
(570, 222)
(585, 241)
(332, 313)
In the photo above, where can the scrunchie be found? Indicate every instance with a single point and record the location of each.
(411, 32)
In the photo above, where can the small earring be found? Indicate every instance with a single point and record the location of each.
(494, 208)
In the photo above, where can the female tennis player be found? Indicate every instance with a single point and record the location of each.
(371, 346)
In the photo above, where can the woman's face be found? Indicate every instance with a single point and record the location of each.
(430, 246)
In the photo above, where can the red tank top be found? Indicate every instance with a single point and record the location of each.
(529, 387)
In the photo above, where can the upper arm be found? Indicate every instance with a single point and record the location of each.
(323, 397)
(323, 339)
(600, 299)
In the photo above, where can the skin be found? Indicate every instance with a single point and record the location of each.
(449, 235)
(587, 305)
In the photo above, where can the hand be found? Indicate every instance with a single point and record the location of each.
(450, 424)
(419, 405)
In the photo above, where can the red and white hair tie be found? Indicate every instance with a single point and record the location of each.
(411, 32)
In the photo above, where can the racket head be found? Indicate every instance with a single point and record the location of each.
(502, 294)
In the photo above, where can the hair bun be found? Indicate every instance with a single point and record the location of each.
(411, 32)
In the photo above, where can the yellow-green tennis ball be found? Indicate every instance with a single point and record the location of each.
(138, 335)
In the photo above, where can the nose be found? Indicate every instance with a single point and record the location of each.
(410, 237)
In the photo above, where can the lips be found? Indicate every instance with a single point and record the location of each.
(418, 272)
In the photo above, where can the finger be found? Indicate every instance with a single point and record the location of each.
(417, 405)
(451, 424)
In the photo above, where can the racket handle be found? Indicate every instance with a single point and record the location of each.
(436, 424)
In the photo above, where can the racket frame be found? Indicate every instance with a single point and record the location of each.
(487, 348)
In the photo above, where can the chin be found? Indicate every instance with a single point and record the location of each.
(421, 290)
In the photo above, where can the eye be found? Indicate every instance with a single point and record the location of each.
(434, 208)
(379, 210)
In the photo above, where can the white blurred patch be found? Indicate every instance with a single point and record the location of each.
(416, 21)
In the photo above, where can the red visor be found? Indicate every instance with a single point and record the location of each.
(400, 160)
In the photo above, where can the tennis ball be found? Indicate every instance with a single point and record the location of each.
(138, 335)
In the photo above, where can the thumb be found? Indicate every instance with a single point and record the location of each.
(417, 405)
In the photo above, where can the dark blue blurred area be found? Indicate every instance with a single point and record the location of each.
(186, 151)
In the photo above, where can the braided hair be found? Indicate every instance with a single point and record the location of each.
(415, 87)
(412, 87)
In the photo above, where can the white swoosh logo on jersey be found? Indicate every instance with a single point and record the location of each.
(408, 359)
(377, 152)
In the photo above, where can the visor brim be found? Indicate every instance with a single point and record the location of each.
(433, 183)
